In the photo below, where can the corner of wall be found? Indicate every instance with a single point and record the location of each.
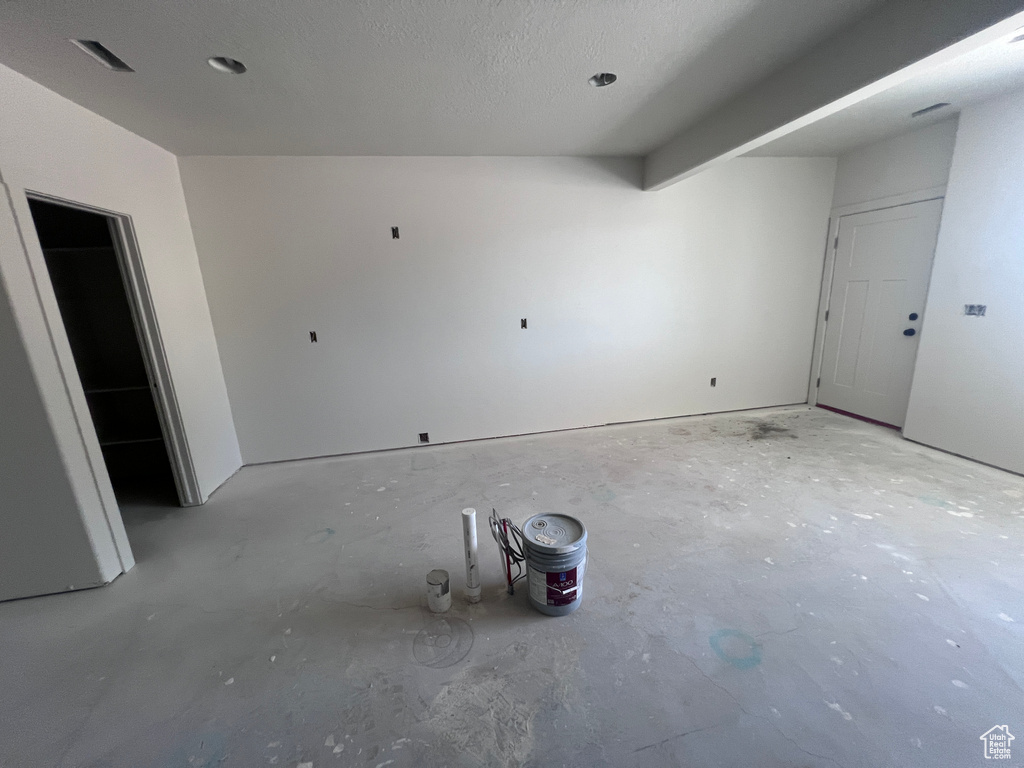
(967, 388)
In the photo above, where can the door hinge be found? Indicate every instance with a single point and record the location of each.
(819, 382)
(826, 315)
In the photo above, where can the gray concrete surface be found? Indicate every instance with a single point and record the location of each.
(785, 587)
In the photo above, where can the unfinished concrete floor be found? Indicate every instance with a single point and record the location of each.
(785, 587)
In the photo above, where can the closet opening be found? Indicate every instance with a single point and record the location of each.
(105, 309)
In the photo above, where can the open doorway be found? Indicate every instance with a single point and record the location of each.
(101, 309)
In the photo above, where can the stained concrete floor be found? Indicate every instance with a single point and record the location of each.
(785, 587)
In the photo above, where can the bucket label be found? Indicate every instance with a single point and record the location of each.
(554, 587)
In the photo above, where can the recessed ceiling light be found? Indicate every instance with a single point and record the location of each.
(601, 79)
(103, 55)
(932, 108)
(224, 64)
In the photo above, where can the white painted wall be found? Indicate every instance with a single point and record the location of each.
(51, 145)
(634, 300)
(968, 391)
(908, 163)
(30, 480)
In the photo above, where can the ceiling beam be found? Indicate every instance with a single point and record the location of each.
(889, 46)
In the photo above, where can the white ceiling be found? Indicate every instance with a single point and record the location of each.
(974, 77)
(412, 77)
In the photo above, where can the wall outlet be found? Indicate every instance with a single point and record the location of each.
(714, 381)
(394, 233)
(522, 323)
(312, 337)
(424, 437)
(976, 310)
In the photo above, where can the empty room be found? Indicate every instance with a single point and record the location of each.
(532, 383)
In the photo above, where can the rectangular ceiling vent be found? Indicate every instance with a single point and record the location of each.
(103, 55)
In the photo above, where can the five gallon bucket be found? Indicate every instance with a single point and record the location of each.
(556, 556)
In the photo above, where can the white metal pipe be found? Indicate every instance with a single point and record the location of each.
(439, 596)
(472, 568)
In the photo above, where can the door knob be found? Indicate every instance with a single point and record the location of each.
(909, 332)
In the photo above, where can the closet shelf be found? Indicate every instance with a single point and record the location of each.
(77, 248)
(105, 443)
(103, 390)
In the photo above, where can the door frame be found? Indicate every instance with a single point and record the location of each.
(828, 268)
(147, 329)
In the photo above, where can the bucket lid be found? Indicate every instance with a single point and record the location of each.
(554, 534)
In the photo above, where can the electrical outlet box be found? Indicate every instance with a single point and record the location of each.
(714, 381)
(424, 437)
(975, 310)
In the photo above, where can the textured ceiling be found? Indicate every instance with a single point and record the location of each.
(974, 77)
(404, 77)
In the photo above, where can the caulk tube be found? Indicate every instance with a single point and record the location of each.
(469, 542)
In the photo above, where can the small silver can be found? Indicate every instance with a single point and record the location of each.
(439, 593)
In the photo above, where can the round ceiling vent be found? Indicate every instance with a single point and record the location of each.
(224, 64)
(601, 79)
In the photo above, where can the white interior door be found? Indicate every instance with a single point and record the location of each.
(883, 262)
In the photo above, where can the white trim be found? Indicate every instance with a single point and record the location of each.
(148, 329)
(892, 201)
(824, 297)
